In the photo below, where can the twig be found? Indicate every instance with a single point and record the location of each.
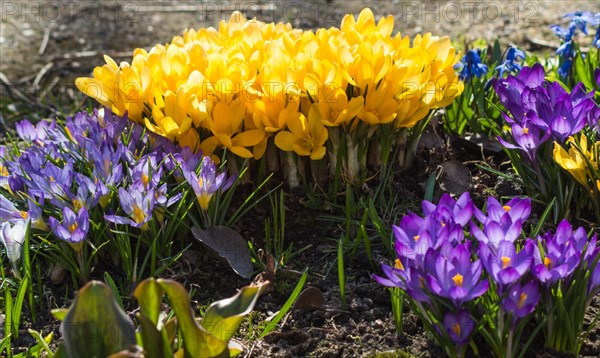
(87, 54)
(43, 71)
(45, 39)
(203, 8)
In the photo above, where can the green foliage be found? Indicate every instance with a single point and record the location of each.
(97, 326)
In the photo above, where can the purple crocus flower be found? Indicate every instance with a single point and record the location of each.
(147, 173)
(559, 254)
(9, 212)
(459, 326)
(527, 136)
(138, 205)
(594, 283)
(458, 278)
(505, 265)
(406, 277)
(520, 301)
(73, 228)
(516, 209)
(207, 182)
(459, 211)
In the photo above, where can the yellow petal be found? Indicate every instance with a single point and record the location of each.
(285, 141)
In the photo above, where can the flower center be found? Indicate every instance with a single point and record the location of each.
(458, 280)
(456, 329)
(416, 237)
(547, 262)
(505, 261)
(506, 208)
(525, 130)
(138, 214)
(3, 171)
(73, 227)
(398, 264)
(522, 300)
(145, 180)
(24, 214)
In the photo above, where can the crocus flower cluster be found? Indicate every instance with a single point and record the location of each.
(67, 179)
(249, 83)
(579, 22)
(456, 254)
(539, 110)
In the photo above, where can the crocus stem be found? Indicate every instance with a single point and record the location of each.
(80, 261)
(292, 171)
(16, 271)
(352, 165)
(538, 171)
(510, 343)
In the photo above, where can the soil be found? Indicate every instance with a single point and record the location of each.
(37, 77)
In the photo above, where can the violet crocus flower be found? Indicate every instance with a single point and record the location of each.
(147, 173)
(521, 301)
(406, 277)
(9, 212)
(459, 211)
(594, 283)
(506, 266)
(73, 228)
(138, 206)
(527, 137)
(459, 326)
(458, 278)
(559, 255)
(207, 182)
(516, 209)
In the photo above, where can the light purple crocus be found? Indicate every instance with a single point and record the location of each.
(138, 206)
(73, 228)
(207, 182)
(12, 237)
(521, 301)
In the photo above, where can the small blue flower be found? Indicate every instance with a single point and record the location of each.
(513, 55)
(471, 65)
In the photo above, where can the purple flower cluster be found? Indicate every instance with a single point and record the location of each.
(541, 110)
(97, 165)
(456, 252)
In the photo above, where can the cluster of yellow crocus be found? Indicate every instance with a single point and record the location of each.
(581, 160)
(248, 81)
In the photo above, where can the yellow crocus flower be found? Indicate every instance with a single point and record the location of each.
(306, 136)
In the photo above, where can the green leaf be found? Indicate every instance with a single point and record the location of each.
(152, 339)
(223, 318)
(149, 295)
(95, 325)
(18, 304)
(59, 313)
(197, 342)
(286, 306)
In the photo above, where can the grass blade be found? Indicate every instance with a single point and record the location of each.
(286, 306)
